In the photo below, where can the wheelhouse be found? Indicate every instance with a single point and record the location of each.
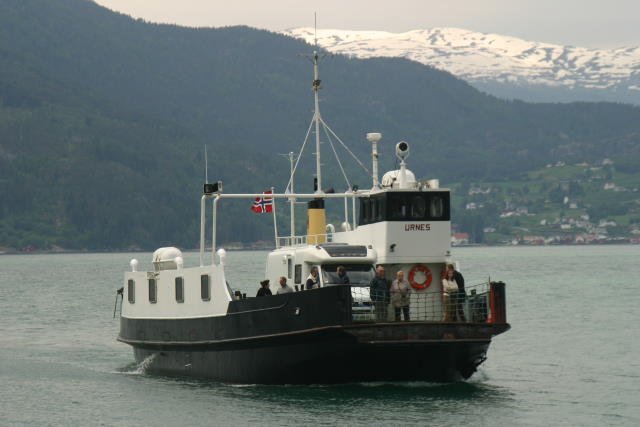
(405, 206)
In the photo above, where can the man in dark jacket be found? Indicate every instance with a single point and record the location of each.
(379, 291)
(461, 295)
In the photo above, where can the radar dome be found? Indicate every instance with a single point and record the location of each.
(391, 179)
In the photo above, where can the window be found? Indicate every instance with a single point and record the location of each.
(372, 209)
(381, 201)
(289, 268)
(153, 291)
(366, 211)
(398, 204)
(436, 210)
(423, 206)
(298, 274)
(418, 207)
(359, 274)
(179, 289)
(373, 214)
(405, 206)
(205, 288)
(131, 291)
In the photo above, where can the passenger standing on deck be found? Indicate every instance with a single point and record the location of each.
(312, 280)
(284, 288)
(264, 289)
(379, 291)
(449, 292)
(460, 296)
(343, 279)
(400, 290)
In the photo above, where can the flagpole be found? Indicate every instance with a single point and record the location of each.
(275, 223)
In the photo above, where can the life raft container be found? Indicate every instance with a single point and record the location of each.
(428, 277)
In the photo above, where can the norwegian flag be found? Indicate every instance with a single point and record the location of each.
(263, 204)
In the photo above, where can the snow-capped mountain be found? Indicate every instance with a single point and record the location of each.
(502, 65)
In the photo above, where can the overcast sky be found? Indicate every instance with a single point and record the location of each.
(589, 23)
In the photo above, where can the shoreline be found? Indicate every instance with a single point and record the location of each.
(11, 251)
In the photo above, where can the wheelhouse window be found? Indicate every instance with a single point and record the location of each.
(418, 207)
(205, 288)
(131, 291)
(436, 208)
(179, 289)
(398, 207)
(366, 211)
(153, 291)
(405, 206)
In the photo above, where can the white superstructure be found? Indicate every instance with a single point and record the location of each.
(400, 223)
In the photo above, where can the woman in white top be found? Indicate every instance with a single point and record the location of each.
(449, 290)
(312, 280)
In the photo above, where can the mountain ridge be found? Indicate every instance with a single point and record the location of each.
(495, 62)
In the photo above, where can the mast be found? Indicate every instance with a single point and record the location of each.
(316, 117)
(292, 200)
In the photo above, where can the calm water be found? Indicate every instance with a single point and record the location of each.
(572, 356)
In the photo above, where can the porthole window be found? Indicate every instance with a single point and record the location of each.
(131, 291)
(153, 291)
(205, 288)
(179, 289)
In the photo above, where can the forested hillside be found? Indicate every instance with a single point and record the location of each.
(103, 120)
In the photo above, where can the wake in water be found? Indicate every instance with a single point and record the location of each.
(138, 368)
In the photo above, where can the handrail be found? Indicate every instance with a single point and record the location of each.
(303, 240)
(481, 303)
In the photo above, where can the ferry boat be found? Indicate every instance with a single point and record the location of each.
(187, 321)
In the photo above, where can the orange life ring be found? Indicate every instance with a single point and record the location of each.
(427, 274)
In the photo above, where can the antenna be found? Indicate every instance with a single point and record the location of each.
(206, 165)
(317, 123)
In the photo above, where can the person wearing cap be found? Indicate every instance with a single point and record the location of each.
(264, 289)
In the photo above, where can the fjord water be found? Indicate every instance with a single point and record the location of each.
(572, 356)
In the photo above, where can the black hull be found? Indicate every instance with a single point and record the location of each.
(325, 347)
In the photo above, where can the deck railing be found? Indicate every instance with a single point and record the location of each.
(313, 239)
(482, 303)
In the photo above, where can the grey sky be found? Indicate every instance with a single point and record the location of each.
(588, 23)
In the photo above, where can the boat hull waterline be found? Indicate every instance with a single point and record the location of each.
(310, 345)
